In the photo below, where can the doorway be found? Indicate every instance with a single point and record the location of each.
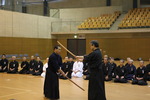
(76, 46)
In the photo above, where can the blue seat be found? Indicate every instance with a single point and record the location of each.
(36, 55)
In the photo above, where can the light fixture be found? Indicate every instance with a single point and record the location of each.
(75, 36)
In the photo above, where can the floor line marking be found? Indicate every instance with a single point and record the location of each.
(14, 88)
(12, 94)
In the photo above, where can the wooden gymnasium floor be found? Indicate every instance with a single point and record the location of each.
(28, 87)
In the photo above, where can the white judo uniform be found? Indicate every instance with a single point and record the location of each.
(44, 69)
(77, 69)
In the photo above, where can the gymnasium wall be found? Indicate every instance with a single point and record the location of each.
(78, 3)
(123, 48)
(14, 24)
(38, 8)
(80, 14)
(118, 46)
(30, 46)
(25, 34)
(35, 9)
(127, 4)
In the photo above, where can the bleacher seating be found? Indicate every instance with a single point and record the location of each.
(136, 18)
(104, 21)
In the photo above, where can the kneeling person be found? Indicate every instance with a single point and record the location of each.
(148, 71)
(140, 75)
(13, 66)
(130, 71)
(3, 64)
(38, 68)
(107, 70)
(32, 65)
(120, 72)
(77, 69)
(24, 66)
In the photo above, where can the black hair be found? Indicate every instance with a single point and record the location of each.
(56, 47)
(3, 55)
(95, 43)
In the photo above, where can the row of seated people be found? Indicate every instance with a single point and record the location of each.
(34, 67)
(136, 18)
(122, 73)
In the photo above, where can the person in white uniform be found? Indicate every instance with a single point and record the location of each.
(77, 68)
(44, 68)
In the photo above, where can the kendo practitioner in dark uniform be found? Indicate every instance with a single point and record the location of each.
(130, 71)
(66, 68)
(105, 56)
(113, 67)
(32, 65)
(3, 64)
(140, 78)
(71, 62)
(38, 69)
(120, 73)
(13, 66)
(24, 66)
(148, 71)
(86, 71)
(96, 89)
(128, 60)
(107, 70)
(51, 84)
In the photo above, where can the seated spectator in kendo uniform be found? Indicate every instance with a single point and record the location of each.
(130, 70)
(70, 69)
(120, 72)
(107, 70)
(66, 68)
(105, 56)
(71, 62)
(38, 67)
(140, 78)
(86, 71)
(24, 66)
(148, 71)
(13, 66)
(113, 67)
(3, 64)
(128, 60)
(32, 65)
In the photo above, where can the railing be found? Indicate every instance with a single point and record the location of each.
(54, 13)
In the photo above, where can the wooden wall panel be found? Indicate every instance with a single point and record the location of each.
(121, 47)
(64, 42)
(124, 47)
(30, 46)
(115, 47)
